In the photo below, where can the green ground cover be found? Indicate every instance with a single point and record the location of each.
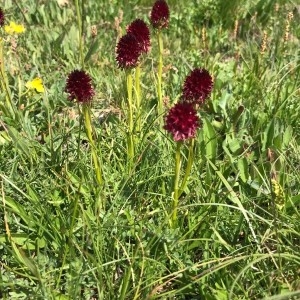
(65, 234)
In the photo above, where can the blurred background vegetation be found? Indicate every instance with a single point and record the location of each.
(61, 248)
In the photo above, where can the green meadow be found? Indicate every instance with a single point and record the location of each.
(98, 201)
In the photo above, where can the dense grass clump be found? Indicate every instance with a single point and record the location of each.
(149, 150)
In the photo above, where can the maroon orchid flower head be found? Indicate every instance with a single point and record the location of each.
(160, 14)
(141, 32)
(2, 17)
(79, 86)
(197, 86)
(182, 121)
(128, 51)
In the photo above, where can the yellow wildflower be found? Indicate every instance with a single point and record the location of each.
(14, 28)
(36, 84)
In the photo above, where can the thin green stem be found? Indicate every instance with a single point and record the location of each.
(79, 23)
(74, 214)
(79, 132)
(130, 143)
(63, 263)
(138, 97)
(9, 108)
(159, 74)
(176, 184)
(22, 11)
(89, 130)
(188, 167)
(125, 283)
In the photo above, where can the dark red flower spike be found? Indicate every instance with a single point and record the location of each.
(2, 17)
(182, 121)
(197, 86)
(141, 32)
(160, 14)
(128, 51)
(79, 86)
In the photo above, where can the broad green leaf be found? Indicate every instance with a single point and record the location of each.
(234, 145)
(285, 296)
(243, 169)
(61, 297)
(210, 140)
(18, 209)
(223, 101)
(4, 138)
(277, 141)
(287, 137)
(22, 240)
(60, 39)
(228, 153)
(77, 182)
(26, 261)
(268, 135)
(94, 47)
(32, 194)
(293, 201)
(19, 141)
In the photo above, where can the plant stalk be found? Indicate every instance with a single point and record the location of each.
(176, 184)
(9, 107)
(159, 75)
(79, 23)
(188, 167)
(89, 130)
(138, 97)
(130, 143)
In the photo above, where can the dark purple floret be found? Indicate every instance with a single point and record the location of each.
(2, 17)
(182, 121)
(197, 86)
(128, 51)
(141, 32)
(79, 86)
(160, 14)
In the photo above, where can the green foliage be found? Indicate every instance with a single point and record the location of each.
(234, 240)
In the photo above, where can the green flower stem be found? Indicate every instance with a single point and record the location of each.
(9, 107)
(138, 96)
(159, 75)
(188, 167)
(130, 144)
(89, 130)
(176, 183)
(79, 22)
